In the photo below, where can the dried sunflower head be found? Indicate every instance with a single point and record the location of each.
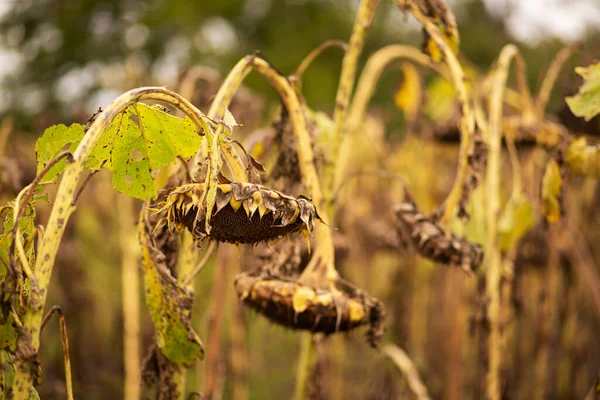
(296, 306)
(243, 212)
(426, 236)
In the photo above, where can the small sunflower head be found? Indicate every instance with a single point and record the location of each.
(243, 212)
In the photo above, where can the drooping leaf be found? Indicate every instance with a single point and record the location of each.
(56, 139)
(551, 191)
(170, 306)
(583, 158)
(516, 220)
(586, 103)
(139, 140)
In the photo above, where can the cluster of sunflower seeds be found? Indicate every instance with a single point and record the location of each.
(296, 306)
(243, 213)
(431, 241)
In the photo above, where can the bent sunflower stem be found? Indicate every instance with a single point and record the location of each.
(365, 88)
(64, 207)
(543, 95)
(305, 63)
(467, 121)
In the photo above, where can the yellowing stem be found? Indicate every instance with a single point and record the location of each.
(467, 121)
(492, 251)
(64, 207)
(362, 23)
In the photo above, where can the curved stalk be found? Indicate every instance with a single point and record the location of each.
(375, 66)
(362, 23)
(405, 364)
(304, 64)
(365, 88)
(217, 110)
(324, 253)
(492, 251)
(467, 121)
(64, 207)
(310, 179)
(550, 78)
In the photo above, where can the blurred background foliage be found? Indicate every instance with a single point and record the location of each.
(62, 59)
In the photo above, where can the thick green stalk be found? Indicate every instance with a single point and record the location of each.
(63, 208)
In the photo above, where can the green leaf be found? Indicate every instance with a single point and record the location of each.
(139, 140)
(586, 103)
(56, 139)
(551, 191)
(516, 220)
(170, 307)
(7, 374)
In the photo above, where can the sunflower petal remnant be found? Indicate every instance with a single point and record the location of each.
(244, 213)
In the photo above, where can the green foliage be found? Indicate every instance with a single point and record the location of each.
(515, 221)
(8, 335)
(139, 140)
(170, 307)
(586, 103)
(7, 373)
(54, 140)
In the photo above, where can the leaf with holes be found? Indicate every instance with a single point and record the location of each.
(139, 140)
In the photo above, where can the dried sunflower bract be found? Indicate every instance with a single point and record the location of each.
(243, 213)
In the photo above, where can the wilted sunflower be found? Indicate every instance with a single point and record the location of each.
(243, 212)
(294, 305)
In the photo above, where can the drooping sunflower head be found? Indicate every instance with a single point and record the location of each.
(297, 306)
(243, 212)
